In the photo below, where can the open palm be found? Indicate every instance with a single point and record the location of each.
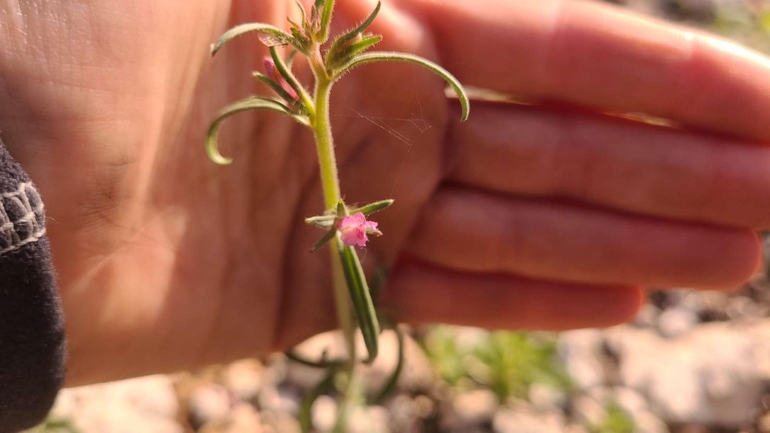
(526, 216)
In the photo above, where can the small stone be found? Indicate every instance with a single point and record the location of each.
(676, 321)
(208, 403)
(372, 419)
(468, 338)
(423, 406)
(324, 413)
(589, 410)
(647, 316)
(283, 399)
(546, 397)
(416, 375)
(406, 413)
(631, 401)
(475, 407)
(244, 419)
(582, 354)
(243, 379)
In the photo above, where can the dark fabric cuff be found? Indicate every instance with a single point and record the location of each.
(32, 341)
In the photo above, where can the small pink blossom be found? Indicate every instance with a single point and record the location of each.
(272, 72)
(354, 228)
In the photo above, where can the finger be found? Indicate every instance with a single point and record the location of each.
(421, 293)
(476, 232)
(598, 56)
(613, 162)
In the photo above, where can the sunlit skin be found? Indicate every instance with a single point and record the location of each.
(525, 216)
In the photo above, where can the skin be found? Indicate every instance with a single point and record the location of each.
(539, 216)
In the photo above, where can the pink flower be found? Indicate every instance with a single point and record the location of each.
(272, 72)
(354, 228)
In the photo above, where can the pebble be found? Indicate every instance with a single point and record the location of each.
(243, 379)
(324, 413)
(372, 419)
(588, 410)
(676, 321)
(545, 397)
(475, 407)
(208, 403)
(282, 399)
(581, 352)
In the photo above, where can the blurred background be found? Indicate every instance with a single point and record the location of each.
(690, 363)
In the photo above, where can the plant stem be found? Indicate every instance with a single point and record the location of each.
(321, 125)
(325, 145)
(331, 187)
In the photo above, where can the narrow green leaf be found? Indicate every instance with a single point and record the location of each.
(306, 407)
(364, 44)
(345, 53)
(324, 240)
(290, 78)
(326, 19)
(339, 44)
(323, 222)
(384, 56)
(272, 35)
(250, 103)
(290, 59)
(363, 26)
(277, 89)
(323, 363)
(301, 42)
(303, 14)
(390, 385)
(377, 282)
(373, 207)
(361, 298)
(342, 210)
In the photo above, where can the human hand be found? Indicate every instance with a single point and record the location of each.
(523, 217)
